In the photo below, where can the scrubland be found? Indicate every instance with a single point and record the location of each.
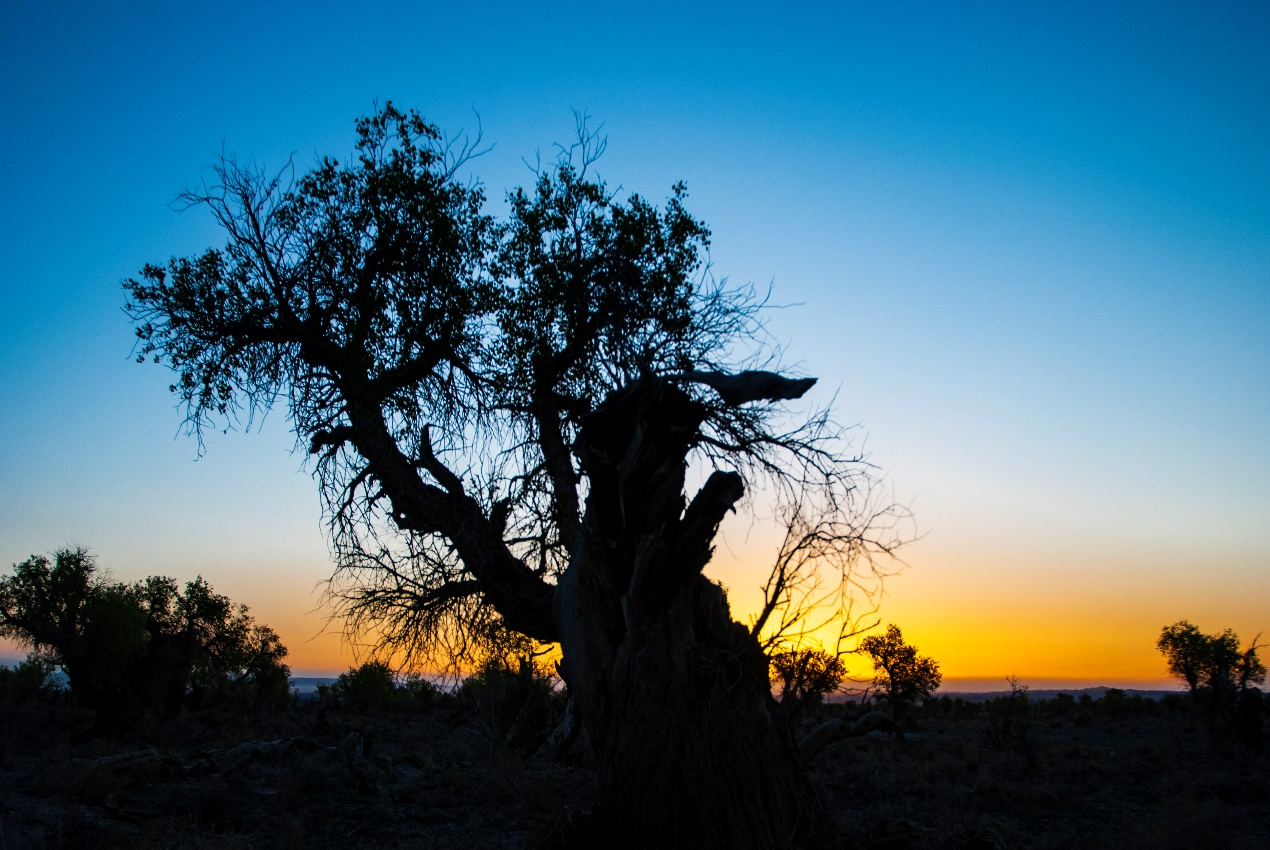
(432, 770)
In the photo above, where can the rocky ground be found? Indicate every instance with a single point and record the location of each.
(315, 777)
(1084, 781)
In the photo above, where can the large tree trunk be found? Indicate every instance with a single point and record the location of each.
(693, 756)
(674, 694)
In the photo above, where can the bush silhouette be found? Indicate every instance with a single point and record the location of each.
(146, 644)
(367, 687)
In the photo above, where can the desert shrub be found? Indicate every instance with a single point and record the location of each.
(418, 692)
(950, 708)
(514, 707)
(1113, 702)
(512, 694)
(1062, 705)
(373, 686)
(368, 687)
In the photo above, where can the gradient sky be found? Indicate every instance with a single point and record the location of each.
(1027, 245)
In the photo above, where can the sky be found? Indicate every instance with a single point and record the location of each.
(1025, 246)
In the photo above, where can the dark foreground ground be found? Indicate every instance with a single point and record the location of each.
(312, 777)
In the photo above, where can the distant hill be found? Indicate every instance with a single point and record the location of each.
(1050, 693)
(1034, 694)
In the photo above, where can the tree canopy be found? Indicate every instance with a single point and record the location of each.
(1214, 662)
(902, 674)
(123, 646)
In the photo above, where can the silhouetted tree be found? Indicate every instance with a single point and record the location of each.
(504, 417)
(1187, 651)
(1210, 661)
(1222, 678)
(902, 674)
(805, 676)
(127, 645)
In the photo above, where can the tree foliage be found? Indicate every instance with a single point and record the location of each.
(805, 676)
(902, 674)
(1214, 662)
(1222, 678)
(123, 646)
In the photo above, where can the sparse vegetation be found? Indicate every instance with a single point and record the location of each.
(378, 760)
(1115, 771)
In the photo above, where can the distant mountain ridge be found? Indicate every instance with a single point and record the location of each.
(1049, 693)
(1034, 694)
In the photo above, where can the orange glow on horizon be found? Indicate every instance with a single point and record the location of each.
(981, 616)
(1051, 621)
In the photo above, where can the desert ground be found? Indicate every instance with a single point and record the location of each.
(447, 771)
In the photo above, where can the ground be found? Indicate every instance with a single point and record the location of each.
(444, 775)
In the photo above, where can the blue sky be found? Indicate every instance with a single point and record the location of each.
(1028, 246)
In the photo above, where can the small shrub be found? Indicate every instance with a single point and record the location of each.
(367, 687)
(516, 709)
(1113, 702)
(417, 692)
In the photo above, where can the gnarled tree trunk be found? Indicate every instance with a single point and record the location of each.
(693, 756)
(674, 694)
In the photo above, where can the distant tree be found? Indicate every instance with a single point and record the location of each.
(1214, 662)
(1222, 678)
(1187, 651)
(901, 674)
(1008, 715)
(805, 677)
(123, 646)
(502, 416)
